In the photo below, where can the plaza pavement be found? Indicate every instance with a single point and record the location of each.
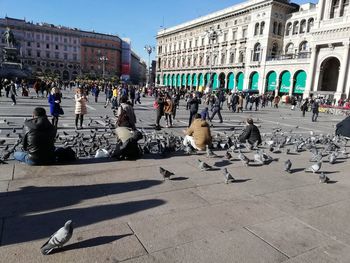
(124, 212)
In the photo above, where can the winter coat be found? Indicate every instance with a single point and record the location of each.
(39, 140)
(194, 102)
(168, 106)
(240, 101)
(54, 107)
(250, 133)
(200, 132)
(130, 113)
(80, 104)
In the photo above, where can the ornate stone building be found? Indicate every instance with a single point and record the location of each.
(266, 45)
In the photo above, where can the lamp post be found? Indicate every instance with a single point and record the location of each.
(213, 36)
(149, 49)
(103, 59)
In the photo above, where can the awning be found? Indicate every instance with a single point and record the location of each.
(254, 81)
(215, 81)
(271, 81)
(285, 82)
(183, 77)
(300, 82)
(240, 80)
(189, 80)
(231, 81)
(194, 80)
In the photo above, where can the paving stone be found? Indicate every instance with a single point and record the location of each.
(50, 199)
(6, 171)
(110, 244)
(3, 188)
(235, 246)
(307, 197)
(331, 219)
(164, 231)
(289, 235)
(29, 227)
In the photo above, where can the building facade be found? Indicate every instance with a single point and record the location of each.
(66, 53)
(266, 45)
(100, 54)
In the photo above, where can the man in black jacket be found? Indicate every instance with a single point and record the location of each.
(193, 102)
(38, 141)
(250, 133)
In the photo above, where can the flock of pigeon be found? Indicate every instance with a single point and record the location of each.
(323, 148)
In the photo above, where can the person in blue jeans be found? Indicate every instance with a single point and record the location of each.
(38, 141)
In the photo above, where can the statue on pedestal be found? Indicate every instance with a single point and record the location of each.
(9, 37)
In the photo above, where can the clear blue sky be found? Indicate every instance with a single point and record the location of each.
(138, 20)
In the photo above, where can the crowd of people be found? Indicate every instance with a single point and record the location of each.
(122, 99)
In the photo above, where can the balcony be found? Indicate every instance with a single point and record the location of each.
(242, 40)
(301, 55)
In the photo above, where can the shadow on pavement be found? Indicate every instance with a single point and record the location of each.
(33, 213)
(92, 242)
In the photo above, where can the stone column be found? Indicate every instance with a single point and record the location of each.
(341, 3)
(291, 85)
(310, 80)
(320, 10)
(342, 72)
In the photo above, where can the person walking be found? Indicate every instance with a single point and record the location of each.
(315, 110)
(13, 93)
(159, 106)
(109, 95)
(216, 110)
(80, 107)
(55, 105)
(304, 106)
(276, 101)
(168, 110)
(240, 103)
(193, 105)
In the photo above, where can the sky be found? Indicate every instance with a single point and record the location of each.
(139, 20)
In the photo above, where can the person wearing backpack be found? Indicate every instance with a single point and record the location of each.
(126, 115)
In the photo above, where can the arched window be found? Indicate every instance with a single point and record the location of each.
(215, 60)
(241, 57)
(310, 24)
(279, 29)
(183, 62)
(223, 58)
(195, 61)
(188, 62)
(304, 46)
(201, 60)
(274, 28)
(257, 52)
(274, 50)
(289, 49)
(232, 57)
(334, 8)
(295, 27)
(207, 60)
(256, 30)
(288, 29)
(302, 26)
(262, 27)
(178, 63)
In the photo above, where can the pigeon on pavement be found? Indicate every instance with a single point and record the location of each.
(323, 178)
(287, 166)
(166, 174)
(210, 153)
(315, 167)
(59, 238)
(203, 166)
(243, 158)
(228, 176)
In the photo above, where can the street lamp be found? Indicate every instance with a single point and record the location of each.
(213, 36)
(149, 49)
(103, 59)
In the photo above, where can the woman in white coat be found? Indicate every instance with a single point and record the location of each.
(80, 107)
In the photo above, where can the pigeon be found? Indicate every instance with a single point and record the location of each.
(189, 149)
(166, 174)
(59, 238)
(332, 158)
(210, 153)
(228, 176)
(228, 156)
(323, 178)
(258, 158)
(2, 142)
(315, 167)
(243, 158)
(287, 166)
(203, 166)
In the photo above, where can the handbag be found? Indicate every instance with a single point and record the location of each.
(60, 111)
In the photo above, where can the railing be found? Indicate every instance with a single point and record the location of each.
(301, 55)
